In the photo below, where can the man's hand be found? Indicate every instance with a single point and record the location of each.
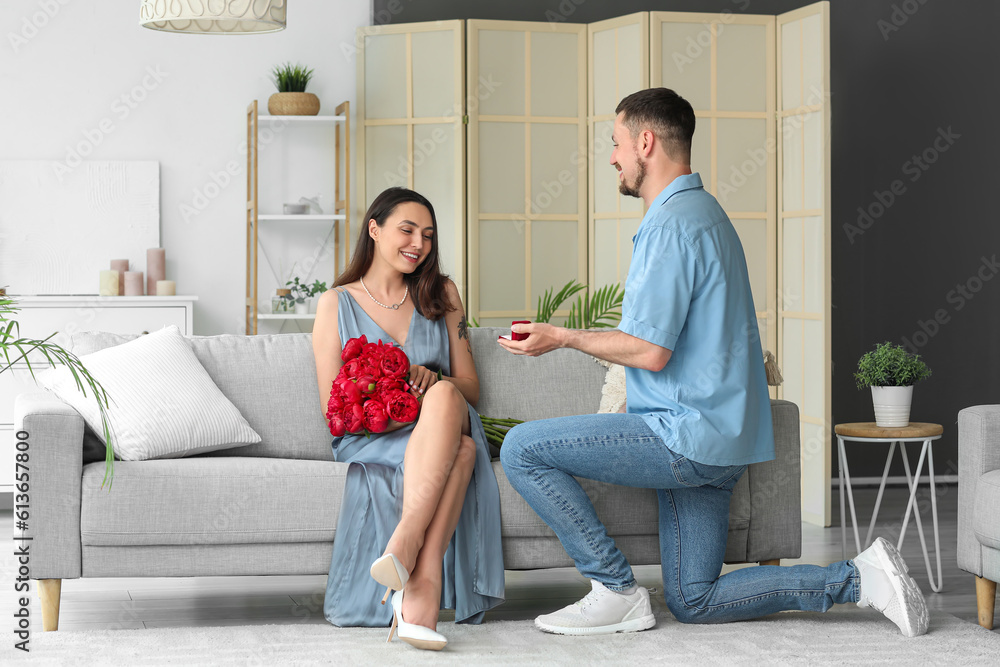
(544, 338)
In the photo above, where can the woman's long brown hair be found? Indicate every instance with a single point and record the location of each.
(426, 283)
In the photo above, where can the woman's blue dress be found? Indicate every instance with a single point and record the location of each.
(472, 571)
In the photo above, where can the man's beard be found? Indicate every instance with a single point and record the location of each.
(640, 175)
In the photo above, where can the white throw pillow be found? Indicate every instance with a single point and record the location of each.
(163, 403)
(613, 391)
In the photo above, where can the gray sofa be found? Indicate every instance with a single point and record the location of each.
(979, 503)
(271, 508)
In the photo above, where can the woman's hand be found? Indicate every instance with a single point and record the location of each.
(421, 379)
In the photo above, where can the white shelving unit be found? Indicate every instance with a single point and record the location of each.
(341, 195)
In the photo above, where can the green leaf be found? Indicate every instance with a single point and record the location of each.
(549, 304)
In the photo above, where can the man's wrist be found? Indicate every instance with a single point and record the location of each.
(566, 337)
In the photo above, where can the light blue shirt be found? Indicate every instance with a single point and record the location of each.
(688, 291)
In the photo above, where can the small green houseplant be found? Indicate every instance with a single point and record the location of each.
(891, 371)
(292, 98)
(16, 349)
(303, 292)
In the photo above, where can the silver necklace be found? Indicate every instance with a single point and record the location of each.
(394, 306)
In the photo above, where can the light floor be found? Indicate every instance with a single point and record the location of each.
(215, 601)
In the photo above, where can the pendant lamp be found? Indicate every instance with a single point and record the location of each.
(214, 17)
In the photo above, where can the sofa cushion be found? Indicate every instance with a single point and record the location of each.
(271, 379)
(986, 508)
(211, 500)
(558, 384)
(161, 401)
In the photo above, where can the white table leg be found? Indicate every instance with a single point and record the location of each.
(914, 483)
(881, 489)
(937, 537)
(843, 519)
(850, 497)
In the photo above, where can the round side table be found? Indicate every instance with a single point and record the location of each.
(870, 432)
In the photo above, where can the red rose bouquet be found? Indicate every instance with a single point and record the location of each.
(371, 389)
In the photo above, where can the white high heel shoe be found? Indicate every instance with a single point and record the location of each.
(414, 635)
(389, 572)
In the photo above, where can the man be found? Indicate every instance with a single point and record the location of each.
(697, 413)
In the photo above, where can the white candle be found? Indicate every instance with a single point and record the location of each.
(109, 283)
(166, 288)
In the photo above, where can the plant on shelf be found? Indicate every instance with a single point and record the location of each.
(292, 98)
(300, 291)
(601, 309)
(15, 349)
(317, 288)
(891, 372)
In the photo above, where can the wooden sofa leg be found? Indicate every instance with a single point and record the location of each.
(773, 561)
(986, 597)
(48, 592)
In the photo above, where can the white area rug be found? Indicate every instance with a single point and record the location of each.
(838, 637)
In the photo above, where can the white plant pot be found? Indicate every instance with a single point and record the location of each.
(892, 406)
(302, 308)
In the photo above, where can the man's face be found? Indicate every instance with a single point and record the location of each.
(626, 159)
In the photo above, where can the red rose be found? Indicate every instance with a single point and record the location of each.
(353, 348)
(335, 406)
(337, 426)
(354, 417)
(386, 386)
(402, 407)
(375, 419)
(366, 383)
(352, 368)
(352, 393)
(395, 362)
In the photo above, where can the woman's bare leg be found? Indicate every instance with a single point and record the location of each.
(427, 466)
(422, 601)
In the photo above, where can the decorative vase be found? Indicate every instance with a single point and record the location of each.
(892, 406)
(302, 308)
(293, 104)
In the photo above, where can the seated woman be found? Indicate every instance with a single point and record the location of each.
(421, 499)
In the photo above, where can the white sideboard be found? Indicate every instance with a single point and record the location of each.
(40, 316)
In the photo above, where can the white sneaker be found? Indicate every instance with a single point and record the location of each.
(601, 612)
(886, 587)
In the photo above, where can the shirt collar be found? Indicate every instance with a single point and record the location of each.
(679, 184)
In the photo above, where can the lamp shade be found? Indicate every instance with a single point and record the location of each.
(214, 17)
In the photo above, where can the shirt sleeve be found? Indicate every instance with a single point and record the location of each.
(659, 287)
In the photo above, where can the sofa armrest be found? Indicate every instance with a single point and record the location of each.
(775, 529)
(978, 454)
(55, 468)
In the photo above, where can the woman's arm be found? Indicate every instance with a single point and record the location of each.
(463, 367)
(326, 345)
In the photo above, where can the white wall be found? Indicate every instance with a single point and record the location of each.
(65, 66)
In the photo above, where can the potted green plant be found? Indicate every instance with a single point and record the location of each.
(315, 290)
(292, 98)
(16, 349)
(891, 372)
(304, 293)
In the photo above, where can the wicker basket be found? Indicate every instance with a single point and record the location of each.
(293, 104)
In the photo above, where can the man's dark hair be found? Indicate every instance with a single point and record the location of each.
(667, 114)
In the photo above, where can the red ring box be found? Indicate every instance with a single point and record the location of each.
(519, 336)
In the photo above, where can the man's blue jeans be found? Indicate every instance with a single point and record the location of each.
(542, 457)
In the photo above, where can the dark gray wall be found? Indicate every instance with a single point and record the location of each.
(914, 98)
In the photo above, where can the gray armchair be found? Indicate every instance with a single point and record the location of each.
(979, 502)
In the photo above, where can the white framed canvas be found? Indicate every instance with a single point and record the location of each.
(61, 225)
